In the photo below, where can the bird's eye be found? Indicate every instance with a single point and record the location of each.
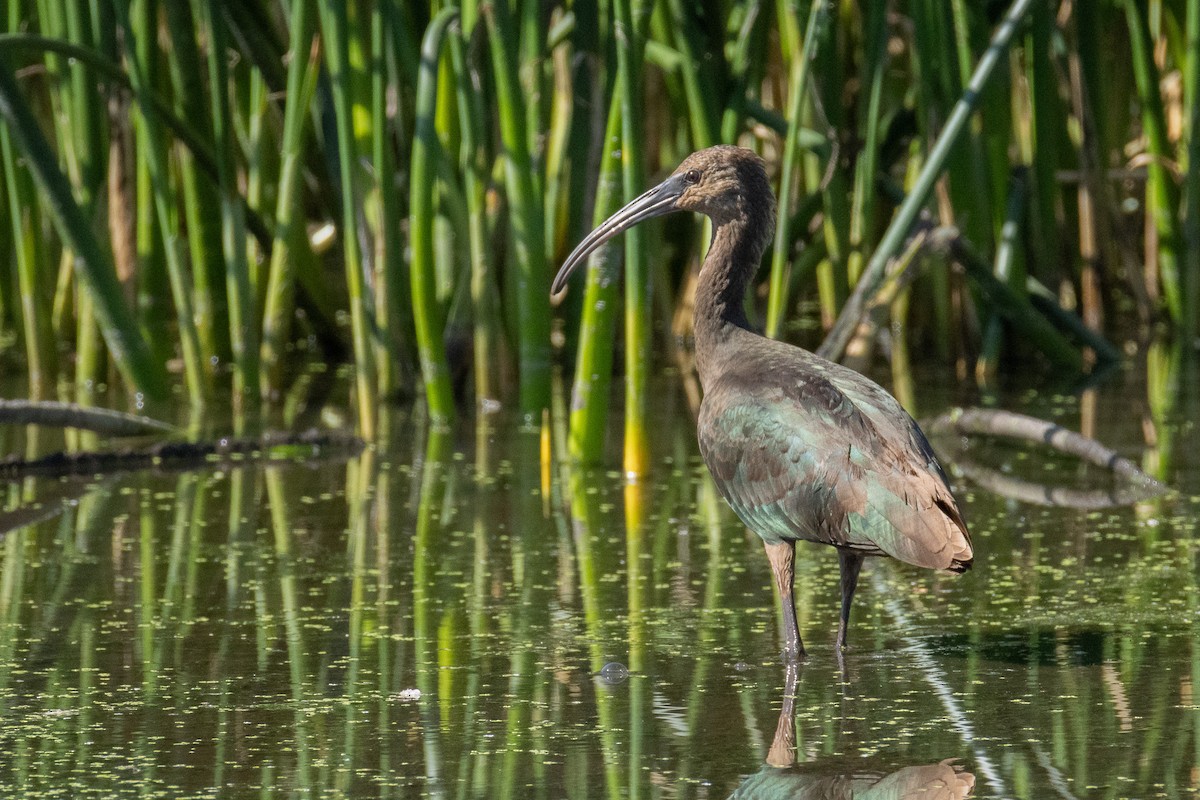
(692, 176)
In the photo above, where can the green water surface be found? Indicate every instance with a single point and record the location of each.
(428, 621)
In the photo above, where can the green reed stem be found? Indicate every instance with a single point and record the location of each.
(64, 290)
(1048, 131)
(942, 62)
(473, 163)
(630, 36)
(970, 181)
(698, 85)
(777, 298)
(906, 215)
(427, 310)
(1162, 199)
(200, 193)
(1190, 277)
(87, 108)
(588, 113)
(9, 314)
(745, 67)
(593, 363)
(243, 324)
(253, 126)
(52, 21)
(526, 219)
(833, 278)
(558, 163)
(128, 348)
(903, 384)
(110, 73)
(163, 203)
(291, 240)
(91, 161)
(1007, 270)
(90, 361)
(154, 290)
(334, 27)
(531, 56)
(23, 211)
(392, 280)
(862, 209)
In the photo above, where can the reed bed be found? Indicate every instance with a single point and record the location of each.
(202, 198)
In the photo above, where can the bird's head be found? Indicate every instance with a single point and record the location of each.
(725, 182)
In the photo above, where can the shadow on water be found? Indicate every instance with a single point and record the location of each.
(1036, 646)
(456, 616)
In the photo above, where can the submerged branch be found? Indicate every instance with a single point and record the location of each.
(1010, 425)
(1039, 494)
(69, 415)
(185, 455)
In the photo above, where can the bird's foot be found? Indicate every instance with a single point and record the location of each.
(841, 637)
(793, 657)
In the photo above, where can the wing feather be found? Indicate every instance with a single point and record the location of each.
(826, 455)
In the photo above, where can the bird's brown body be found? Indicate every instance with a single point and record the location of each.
(802, 448)
(855, 473)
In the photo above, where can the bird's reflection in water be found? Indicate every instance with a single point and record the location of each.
(781, 778)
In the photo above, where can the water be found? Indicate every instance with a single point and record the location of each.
(427, 620)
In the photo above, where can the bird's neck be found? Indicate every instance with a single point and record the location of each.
(720, 315)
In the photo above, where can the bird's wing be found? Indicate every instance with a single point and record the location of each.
(803, 458)
(774, 462)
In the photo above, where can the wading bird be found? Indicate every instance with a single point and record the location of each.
(800, 447)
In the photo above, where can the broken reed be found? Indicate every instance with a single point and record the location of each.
(169, 169)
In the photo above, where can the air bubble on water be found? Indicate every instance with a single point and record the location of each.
(614, 672)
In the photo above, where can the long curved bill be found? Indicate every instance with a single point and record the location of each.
(656, 202)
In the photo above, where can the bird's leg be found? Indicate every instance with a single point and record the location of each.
(782, 558)
(850, 562)
(783, 747)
